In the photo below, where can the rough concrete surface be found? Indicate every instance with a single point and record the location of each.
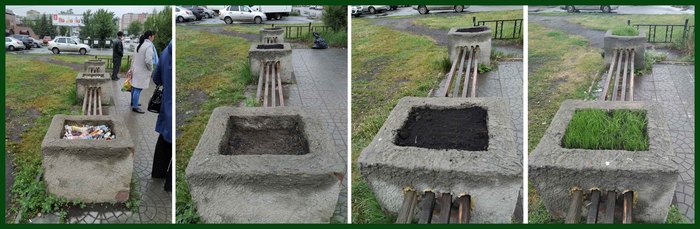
(264, 188)
(652, 174)
(93, 171)
(258, 53)
(612, 42)
(87, 80)
(272, 35)
(474, 36)
(493, 177)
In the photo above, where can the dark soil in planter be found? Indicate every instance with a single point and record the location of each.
(285, 140)
(275, 46)
(472, 29)
(461, 129)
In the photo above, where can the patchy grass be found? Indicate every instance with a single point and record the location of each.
(675, 217)
(76, 59)
(387, 65)
(45, 88)
(562, 67)
(607, 130)
(625, 31)
(434, 21)
(650, 57)
(333, 38)
(217, 65)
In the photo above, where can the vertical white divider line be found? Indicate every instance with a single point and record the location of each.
(348, 114)
(525, 113)
(173, 109)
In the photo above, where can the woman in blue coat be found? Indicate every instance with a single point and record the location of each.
(162, 158)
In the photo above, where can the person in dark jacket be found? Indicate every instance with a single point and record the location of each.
(117, 53)
(162, 157)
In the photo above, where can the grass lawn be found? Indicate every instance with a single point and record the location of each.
(381, 75)
(434, 21)
(602, 129)
(217, 66)
(34, 93)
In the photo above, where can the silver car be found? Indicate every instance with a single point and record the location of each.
(423, 9)
(67, 44)
(12, 44)
(578, 8)
(373, 9)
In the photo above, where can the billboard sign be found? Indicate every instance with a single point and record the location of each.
(67, 20)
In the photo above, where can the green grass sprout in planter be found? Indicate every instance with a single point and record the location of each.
(625, 31)
(607, 130)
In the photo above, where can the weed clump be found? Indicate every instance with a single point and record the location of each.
(607, 130)
(625, 31)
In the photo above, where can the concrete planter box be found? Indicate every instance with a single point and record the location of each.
(493, 177)
(86, 80)
(93, 171)
(473, 36)
(651, 174)
(272, 35)
(264, 165)
(94, 66)
(613, 42)
(259, 53)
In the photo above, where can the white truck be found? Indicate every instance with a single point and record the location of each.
(273, 12)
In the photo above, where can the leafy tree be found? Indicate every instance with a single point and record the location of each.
(86, 31)
(104, 25)
(44, 27)
(135, 28)
(160, 22)
(335, 16)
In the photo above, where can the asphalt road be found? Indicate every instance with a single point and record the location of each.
(622, 10)
(407, 11)
(307, 16)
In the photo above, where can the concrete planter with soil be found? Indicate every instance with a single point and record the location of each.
(272, 35)
(613, 42)
(92, 171)
(479, 36)
(555, 171)
(264, 165)
(462, 146)
(260, 53)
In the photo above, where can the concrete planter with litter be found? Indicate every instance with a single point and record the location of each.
(94, 170)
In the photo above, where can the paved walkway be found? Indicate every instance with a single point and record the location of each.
(322, 86)
(155, 203)
(673, 87)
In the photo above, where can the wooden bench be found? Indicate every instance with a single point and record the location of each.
(270, 85)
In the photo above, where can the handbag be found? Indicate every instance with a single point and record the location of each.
(156, 100)
(126, 87)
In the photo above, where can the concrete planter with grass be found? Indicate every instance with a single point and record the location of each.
(479, 36)
(265, 165)
(461, 146)
(614, 42)
(92, 171)
(272, 35)
(556, 169)
(260, 53)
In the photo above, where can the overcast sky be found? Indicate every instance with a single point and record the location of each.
(118, 10)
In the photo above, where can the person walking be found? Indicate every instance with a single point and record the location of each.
(162, 157)
(117, 54)
(144, 59)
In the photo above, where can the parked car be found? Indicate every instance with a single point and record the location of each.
(197, 11)
(26, 40)
(240, 13)
(393, 7)
(182, 14)
(12, 44)
(208, 12)
(604, 9)
(37, 43)
(375, 9)
(356, 11)
(46, 39)
(67, 44)
(273, 12)
(422, 9)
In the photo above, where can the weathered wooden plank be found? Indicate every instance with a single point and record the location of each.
(593, 209)
(405, 212)
(627, 207)
(610, 208)
(427, 205)
(464, 209)
(574, 213)
(445, 208)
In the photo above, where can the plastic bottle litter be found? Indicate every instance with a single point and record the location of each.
(88, 132)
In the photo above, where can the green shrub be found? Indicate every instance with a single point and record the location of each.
(335, 17)
(625, 31)
(603, 129)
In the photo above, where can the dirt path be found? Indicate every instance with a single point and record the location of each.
(48, 59)
(556, 22)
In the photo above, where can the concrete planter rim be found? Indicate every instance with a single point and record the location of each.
(53, 137)
(641, 34)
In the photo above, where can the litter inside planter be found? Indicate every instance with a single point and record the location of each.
(96, 132)
(281, 135)
(461, 129)
(271, 46)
